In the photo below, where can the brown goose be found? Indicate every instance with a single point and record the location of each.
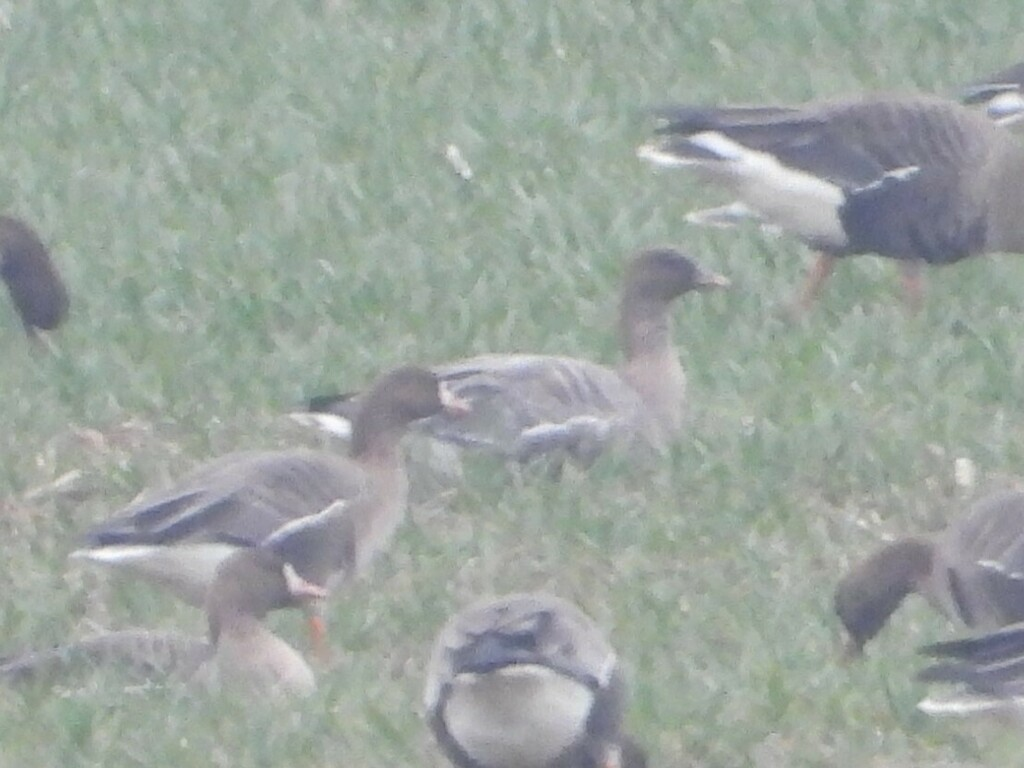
(178, 537)
(1002, 95)
(527, 405)
(35, 286)
(917, 179)
(527, 681)
(240, 650)
(972, 572)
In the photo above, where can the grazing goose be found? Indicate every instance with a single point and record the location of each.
(1001, 93)
(286, 570)
(179, 536)
(35, 286)
(527, 405)
(918, 179)
(987, 672)
(527, 681)
(972, 572)
(140, 654)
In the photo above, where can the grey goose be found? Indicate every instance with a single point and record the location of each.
(35, 286)
(972, 572)
(527, 681)
(239, 649)
(178, 537)
(919, 179)
(528, 405)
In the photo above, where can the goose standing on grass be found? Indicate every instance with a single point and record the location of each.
(972, 572)
(918, 179)
(178, 537)
(987, 672)
(527, 681)
(289, 569)
(32, 279)
(1002, 94)
(526, 405)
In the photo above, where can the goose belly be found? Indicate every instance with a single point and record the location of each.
(520, 717)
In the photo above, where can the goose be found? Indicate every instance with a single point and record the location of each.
(35, 286)
(972, 572)
(238, 652)
(178, 537)
(987, 672)
(1002, 95)
(527, 681)
(290, 568)
(918, 179)
(528, 405)
(140, 654)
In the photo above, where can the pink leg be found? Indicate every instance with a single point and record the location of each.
(819, 272)
(913, 285)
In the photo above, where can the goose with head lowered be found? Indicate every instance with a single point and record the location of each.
(289, 569)
(179, 536)
(919, 179)
(528, 405)
(972, 572)
(527, 681)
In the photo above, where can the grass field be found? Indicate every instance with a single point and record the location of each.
(251, 203)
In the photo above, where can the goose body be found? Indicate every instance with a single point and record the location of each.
(141, 654)
(913, 178)
(179, 537)
(288, 569)
(526, 405)
(972, 572)
(527, 681)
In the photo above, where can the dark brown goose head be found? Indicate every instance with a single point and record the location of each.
(395, 401)
(250, 584)
(35, 286)
(655, 278)
(872, 591)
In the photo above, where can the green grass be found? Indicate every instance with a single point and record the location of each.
(250, 203)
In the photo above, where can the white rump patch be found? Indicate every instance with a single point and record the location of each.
(187, 569)
(331, 423)
(793, 200)
(724, 216)
(966, 705)
(1006, 108)
(721, 145)
(653, 153)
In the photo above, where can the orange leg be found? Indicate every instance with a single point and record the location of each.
(913, 285)
(318, 636)
(819, 272)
